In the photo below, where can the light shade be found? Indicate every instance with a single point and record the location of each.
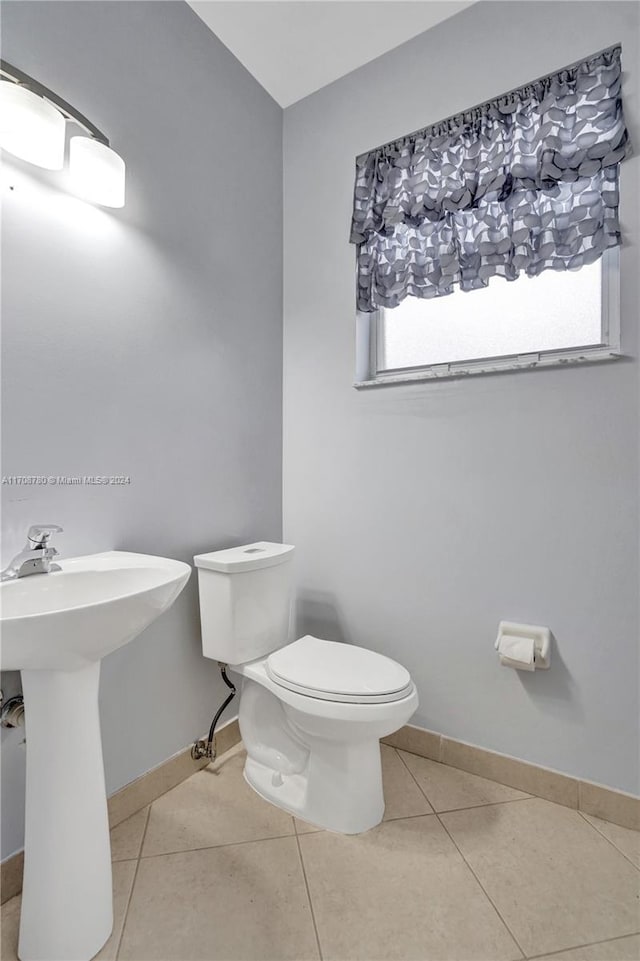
(31, 128)
(97, 172)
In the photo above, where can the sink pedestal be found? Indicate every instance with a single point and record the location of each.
(67, 910)
(56, 628)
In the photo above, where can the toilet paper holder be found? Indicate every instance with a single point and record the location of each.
(541, 637)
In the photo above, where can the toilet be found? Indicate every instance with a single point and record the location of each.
(312, 711)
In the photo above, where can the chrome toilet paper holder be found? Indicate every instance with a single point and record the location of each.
(541, 637)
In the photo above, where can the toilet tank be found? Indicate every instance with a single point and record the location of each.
(245, 600)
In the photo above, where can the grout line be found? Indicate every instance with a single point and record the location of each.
(612, 843)
(428, 814)
(482, 888)
(437, 814)
(407, 817)
(214, 847)
(133, 883)
(575, 947)
(487, 804)
(410, 772)
(306, 884)
(469, 807)
(144, 832)
(411, 817)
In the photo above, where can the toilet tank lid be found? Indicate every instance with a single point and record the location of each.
(247, 557)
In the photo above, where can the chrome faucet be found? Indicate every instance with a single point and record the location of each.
(36, 556)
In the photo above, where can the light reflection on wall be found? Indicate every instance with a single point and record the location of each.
(32, 196)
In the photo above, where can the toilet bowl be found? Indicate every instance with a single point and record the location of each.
(316, 752)
(312, 712)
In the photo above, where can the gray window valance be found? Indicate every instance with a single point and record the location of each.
(525, 182)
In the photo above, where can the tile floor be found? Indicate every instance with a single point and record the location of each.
(461, 868)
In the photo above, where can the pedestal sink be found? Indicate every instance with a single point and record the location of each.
(56, 628)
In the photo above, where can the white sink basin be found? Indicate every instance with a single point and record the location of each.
(56, 627)
(69, 618)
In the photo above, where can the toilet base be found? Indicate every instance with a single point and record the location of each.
(317, 759)
(340, 789)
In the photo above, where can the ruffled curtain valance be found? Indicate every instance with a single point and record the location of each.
(525, 182)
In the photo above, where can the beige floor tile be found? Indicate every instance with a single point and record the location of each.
(402, 796)
(210, 809)
(10, 917)
(449, 789)
(553, 879)
(400, 891)
(11, 872)
(625, 839)
(303, 827)
(622, 949)
(234, 903)
(126, 838)
(123, 873)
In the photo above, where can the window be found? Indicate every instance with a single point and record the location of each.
(451, 221)
(556, 318)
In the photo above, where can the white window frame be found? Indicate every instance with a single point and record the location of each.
(369, 325)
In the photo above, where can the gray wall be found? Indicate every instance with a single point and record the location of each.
(146, 341)
(425, 514)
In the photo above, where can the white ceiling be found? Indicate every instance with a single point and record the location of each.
(294, 47)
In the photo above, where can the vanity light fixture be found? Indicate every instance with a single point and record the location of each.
(33, 127)
(97, 172)
(30, 127)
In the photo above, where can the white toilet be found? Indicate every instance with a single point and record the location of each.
(312, 711)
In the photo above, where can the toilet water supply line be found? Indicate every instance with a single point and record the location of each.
(206, 748)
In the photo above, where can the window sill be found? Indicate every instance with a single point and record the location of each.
(491, 366)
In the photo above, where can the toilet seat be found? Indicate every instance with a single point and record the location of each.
(338, 672)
